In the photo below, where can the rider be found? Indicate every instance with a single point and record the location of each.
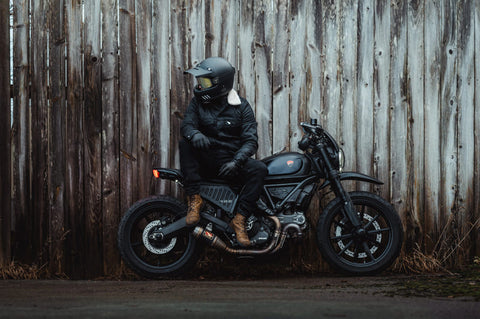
(219, 137)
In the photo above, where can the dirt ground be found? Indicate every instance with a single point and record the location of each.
(302, 297)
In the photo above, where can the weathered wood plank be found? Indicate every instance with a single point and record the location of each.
(161, 90)
(331, 37)
(476, 179)
(298, 96)
(128, 104)
(74, 191)
(400, 154)
(364, 104)
(465, 124)
(196, 34)
(448, 112)
(432, 175)
(264, 17)
(415, 99)
(5, 133)
(280, 83)
(180, 93)
(21, 249)
(93, 139)
(56, 141)
(381, 117)
(110, 137)
(246, 40)
(348, 83)
(230, 13)
(313, 60)
(143, 20)
(39, 109)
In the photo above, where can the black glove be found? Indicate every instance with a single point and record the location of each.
(228, 169)
(200, 141)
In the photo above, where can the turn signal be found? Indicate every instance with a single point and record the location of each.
(156, 173)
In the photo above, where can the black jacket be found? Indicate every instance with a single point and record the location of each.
(231, 128)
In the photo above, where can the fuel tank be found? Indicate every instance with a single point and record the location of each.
(288, 166)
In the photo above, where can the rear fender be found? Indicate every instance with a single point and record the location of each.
(354, 176)
(168, 173)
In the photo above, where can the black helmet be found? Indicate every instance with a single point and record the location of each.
(214, 77)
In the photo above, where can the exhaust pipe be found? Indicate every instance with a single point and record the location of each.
(215, 241)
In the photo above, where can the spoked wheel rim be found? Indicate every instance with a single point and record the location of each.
(154, 253)
(361, 249)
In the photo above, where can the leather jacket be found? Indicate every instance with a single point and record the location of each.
(230, 128)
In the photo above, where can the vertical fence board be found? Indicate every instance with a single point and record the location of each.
(21, 249)
(465, 117)
(331, 59)
(313, 57)
(93, 139)
(196, 33)
(381, 76)
(364, 101)
(263, 15)
(298, 97)
(348, 83)
(110, 137)
(448, 112)
(143, 20)
(246, 72)
(229, 26)
(128, 104)
(181, 84)
(476, 209)
(415, 99)
(56, 180)
(75, 217)
(399, 113)
(280, 85)
(431, 112)
(161, 89)
(40, 128)
(5, 128)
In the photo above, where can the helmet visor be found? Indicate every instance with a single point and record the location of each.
(204, 83)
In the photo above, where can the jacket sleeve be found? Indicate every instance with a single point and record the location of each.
(248, 135)
(189, 125)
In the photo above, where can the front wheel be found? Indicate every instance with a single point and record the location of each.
(146, 255)
(360, 253)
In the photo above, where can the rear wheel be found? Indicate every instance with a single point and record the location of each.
(148, 256)
(360, 253)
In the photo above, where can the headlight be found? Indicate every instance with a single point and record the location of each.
(341, 160)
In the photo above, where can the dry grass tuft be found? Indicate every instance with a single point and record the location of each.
(16, 270)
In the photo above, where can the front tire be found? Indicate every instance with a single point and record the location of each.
(365, 254)
(149, 257)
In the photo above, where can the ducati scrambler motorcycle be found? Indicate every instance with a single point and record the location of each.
(357, 232)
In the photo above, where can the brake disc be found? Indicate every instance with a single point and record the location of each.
(152, 245)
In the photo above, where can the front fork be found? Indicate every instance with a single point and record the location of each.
(334, 178)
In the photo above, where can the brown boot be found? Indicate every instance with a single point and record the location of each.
(238, 225)
(194, 204)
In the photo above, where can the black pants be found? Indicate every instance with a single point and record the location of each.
(199, 164)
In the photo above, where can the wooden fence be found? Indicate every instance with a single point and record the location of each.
(98, 93)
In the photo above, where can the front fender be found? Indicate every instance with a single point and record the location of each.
(355, 177)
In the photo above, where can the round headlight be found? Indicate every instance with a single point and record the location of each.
(341, 160)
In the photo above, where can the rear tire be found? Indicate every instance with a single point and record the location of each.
(371, 253)
(150, 258)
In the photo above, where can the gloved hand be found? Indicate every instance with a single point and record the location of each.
(228, 169)
(200, 141)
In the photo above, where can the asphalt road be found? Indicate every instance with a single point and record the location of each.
(319, 297)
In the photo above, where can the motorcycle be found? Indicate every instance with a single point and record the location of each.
(357, 232)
